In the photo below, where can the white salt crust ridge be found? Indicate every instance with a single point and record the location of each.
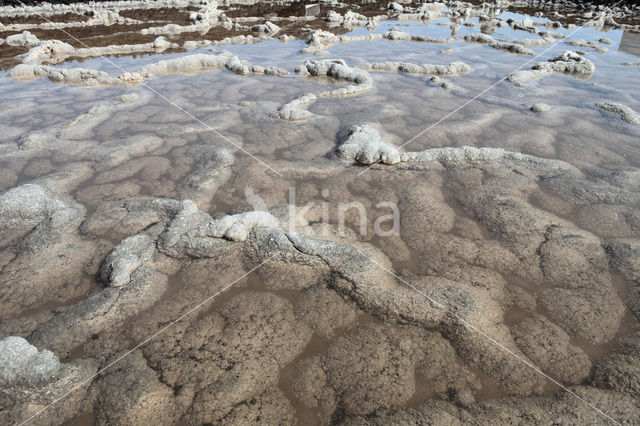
(319, 40)
(203, 62)
(202, 22)
(190, 63)
(365, 146)
(185, 64)
(626, 113)
(398, 35)
(207, 17)
(240, 39)
(335, 68)
(72, 76)
(295, 110)
(491, 42)
(454, 68)
(174, 29)
(534, 41)
(97, 17)
(23, 364)
(54, 51)
(567, 63)
(589, 44)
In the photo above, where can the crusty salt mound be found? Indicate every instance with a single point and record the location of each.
(364, 145)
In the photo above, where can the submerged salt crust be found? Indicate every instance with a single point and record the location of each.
(135, 188)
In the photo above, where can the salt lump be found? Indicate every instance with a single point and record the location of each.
(267, 27)
(626, 113)
(50, 51)
(395, 7)
(364, 146)
(567, 63)
(22, 363)
(350, 19)
(540, 107)
(25, 39)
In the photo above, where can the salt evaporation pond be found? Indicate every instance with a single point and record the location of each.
(197, 222)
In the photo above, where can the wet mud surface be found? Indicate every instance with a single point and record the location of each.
(153, 270)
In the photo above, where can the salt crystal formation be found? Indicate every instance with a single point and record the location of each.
(277, 212)
(23, 364)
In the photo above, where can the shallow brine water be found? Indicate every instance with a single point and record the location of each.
(428, 215)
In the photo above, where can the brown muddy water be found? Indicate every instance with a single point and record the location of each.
(492, 277)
